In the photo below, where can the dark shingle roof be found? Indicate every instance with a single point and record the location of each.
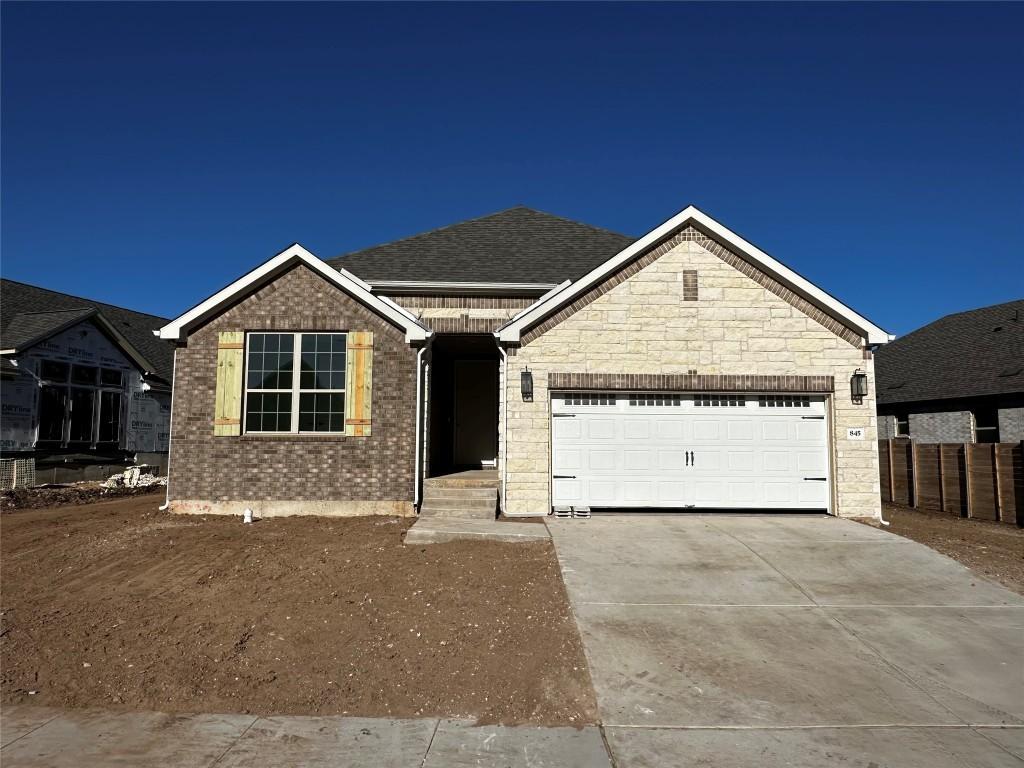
(969, 354)
(28, 313)
(518, 245)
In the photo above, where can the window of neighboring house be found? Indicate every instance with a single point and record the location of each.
(81, 413)
(986, 425)
(110, 416)
(52, 409)
(84, 374)
(902, 425)
(295, 382)
(88, 412)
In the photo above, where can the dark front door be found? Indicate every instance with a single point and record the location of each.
(476, 413)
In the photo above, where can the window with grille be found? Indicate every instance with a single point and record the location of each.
(295, 382)
(784, 401)
(640, 399)
(720, 401)
(589, 398)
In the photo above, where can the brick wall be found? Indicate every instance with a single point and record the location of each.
(295, 474)
(739, 324)
(948, 427)
(1011, 425)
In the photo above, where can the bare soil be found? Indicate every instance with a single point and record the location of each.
(118, 605)
(47, 496)
(993, 550)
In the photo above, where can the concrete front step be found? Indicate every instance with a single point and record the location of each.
(480, 513)
(474, 478)
(435, 531)
(431, 492)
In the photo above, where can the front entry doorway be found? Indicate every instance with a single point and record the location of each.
(463, 424)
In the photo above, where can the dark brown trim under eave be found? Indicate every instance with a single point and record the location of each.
(681, 382)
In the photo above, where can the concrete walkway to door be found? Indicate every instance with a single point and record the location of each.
(765, 641)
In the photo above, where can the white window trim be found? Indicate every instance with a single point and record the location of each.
(295, 391)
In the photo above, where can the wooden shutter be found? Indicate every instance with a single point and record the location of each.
(358, 383)
(227, 412)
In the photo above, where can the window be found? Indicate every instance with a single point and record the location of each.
(281, 396)
(110, 416)
(986, 425)
(902, 425)
(715, 401)
(81, 413)
(51, 370)
(83, 374)
(52, 407)
(589, 398)
(654, 399)
(783, 401)
(110, 377)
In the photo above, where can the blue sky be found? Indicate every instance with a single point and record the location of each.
(152, 153)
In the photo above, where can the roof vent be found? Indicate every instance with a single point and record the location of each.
(1012, 371)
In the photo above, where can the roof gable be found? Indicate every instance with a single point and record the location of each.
(29, 313)
(561, 300)
(177, 329)
(519, 245)
(967, 354)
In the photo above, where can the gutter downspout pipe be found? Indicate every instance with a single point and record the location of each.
(170, 431)
(504, 418)
(418, 461)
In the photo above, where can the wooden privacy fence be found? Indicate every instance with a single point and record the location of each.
(979, 480)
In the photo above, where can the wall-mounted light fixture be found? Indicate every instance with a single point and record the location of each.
(526, 385)
(858, 386)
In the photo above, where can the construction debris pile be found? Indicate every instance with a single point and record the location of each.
(140, 476)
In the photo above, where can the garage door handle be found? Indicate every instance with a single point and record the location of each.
(823, 479)
(563, 477)
(819, 418)
(563, 415)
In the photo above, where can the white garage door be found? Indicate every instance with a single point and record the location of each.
(714, 451)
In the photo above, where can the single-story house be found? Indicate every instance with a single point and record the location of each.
(85, 387)
(577, 368)
(959, 379)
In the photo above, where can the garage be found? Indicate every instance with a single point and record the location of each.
(689, 451)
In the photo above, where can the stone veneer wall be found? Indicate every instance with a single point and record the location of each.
(295, 474)
(738, 325)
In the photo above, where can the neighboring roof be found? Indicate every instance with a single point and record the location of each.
(968, 354)
(178, 329)
(552, 302)
(518, 245)
(28, 314)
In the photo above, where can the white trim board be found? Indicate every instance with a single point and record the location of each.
(458, 288)
(177, 329)
(513, 330)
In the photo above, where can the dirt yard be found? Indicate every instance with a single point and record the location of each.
(118, 605)
(992, 550)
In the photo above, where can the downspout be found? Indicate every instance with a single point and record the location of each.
(504, 419)
(418, 462)
(170, 430)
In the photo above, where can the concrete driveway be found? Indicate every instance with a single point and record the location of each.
(791, 640)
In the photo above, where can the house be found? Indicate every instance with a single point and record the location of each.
(572, 367)
(959, 379)
(85, 386)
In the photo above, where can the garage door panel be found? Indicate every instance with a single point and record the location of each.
(566, 459)
(601, 459)
(599, 429)
(671, 459)
(637, 429)
(636, 458)
(565, 429)
(726, 452)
